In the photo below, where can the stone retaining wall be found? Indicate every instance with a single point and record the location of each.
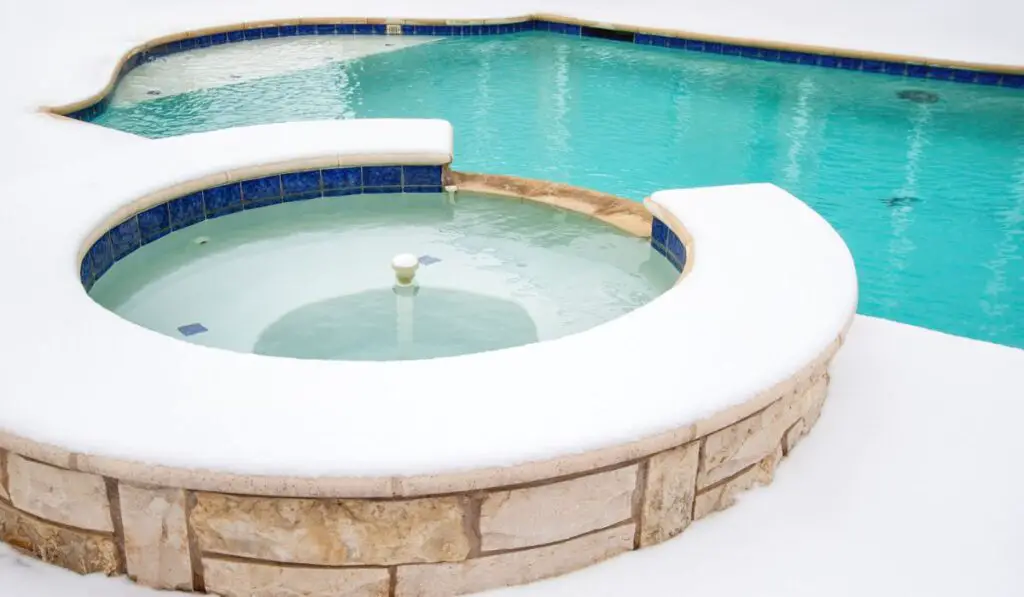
(426, 546)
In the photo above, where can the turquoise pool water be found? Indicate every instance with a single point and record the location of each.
(929, 194)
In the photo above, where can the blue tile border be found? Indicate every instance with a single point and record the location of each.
(668, 244)
(893, 68)
(178, 213)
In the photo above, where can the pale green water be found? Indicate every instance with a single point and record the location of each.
(313, 279)
(929, 196)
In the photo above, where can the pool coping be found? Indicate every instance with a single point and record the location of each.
(909, 66)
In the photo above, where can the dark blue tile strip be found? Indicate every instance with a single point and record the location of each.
(668, 244)
(182, 212)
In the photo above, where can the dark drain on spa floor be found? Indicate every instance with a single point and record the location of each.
(918, 96)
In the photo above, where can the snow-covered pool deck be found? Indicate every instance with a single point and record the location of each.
(70, 165)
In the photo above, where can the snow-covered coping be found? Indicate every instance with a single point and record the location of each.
(181, 464)
(771, 288)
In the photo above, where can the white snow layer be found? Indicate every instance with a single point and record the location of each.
(907, 485)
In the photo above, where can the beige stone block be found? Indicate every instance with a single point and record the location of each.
(3, 476)
(668, 494)
(80, 551)
(332, 532)
(243, 579)
(793, 436)
(748, 441)
(68, 497)
(513, 568)
(809, 407)
(156, 537)
(555, 512)
(723, 495)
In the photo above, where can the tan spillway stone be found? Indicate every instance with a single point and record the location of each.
(67, 497)
(156, 537)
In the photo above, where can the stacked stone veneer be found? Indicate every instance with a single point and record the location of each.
(422, 546)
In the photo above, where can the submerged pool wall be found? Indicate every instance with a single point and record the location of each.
(898, 65)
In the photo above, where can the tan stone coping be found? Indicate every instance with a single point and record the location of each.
(629, 216)
(69, 108)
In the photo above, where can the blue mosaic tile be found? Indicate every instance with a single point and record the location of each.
(1015, 81)
(154, 223)
(261, 189)
(894, 68)
(250, 205)
(382, 176)
(642, 39)
(676, 43)
(940, 73)
(769, 55)
(423, 189)
(659, 231)
(192, 329)
(828, 61)
(338, 179)
(446, 30)
(252, 34)
(541, 25)
(325, 29)
(186, 44)
(289, 30)
(789, 57)
(204, 41)
(676, 250)
(345, 29)
(186, 210)
(379, 190)
(101, 256)
(222, 200)
(660, 249)
(410, 30)
(872, 66)
(307, 30)
(987, 79)
(572, 29)
(421, 175)
(236, 36)
(266, 32)
(363, 29)
(919, 71)
(731, 50)
(85, 272)
(301, 183)
(749, 52)
(963, 76)
(713, 47)
(219, 39)
(125, 238)
(849, 63)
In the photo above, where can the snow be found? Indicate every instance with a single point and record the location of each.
(875, 501)
(907, 485)
(216, 408)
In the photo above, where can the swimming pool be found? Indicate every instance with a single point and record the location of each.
(927, 190)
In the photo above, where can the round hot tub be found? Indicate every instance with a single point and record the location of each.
(313, 279)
